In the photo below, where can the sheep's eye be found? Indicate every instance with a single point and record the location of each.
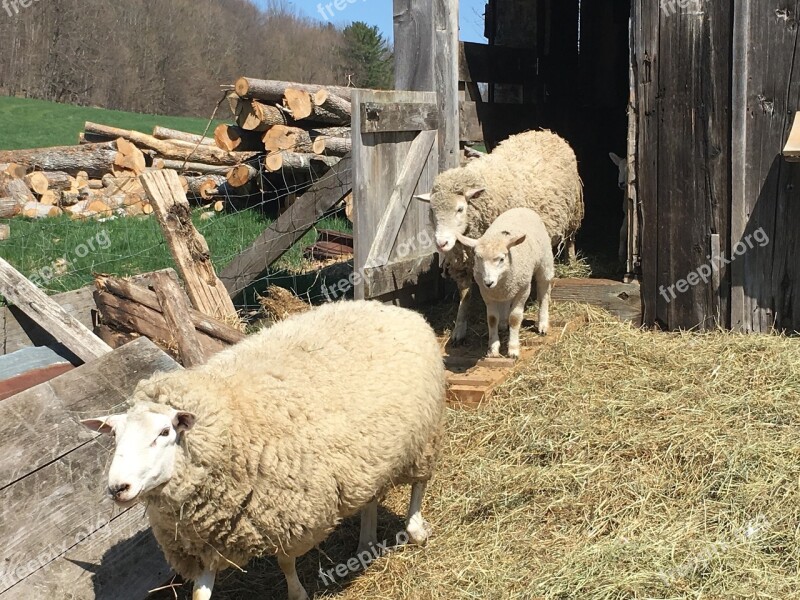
(164, 432)
(501, 259)
(460, 210)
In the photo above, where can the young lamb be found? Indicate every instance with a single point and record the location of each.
(267, 447)
(536, 170)
(622, 182)
(513, 251)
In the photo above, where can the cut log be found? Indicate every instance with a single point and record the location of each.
(295, 139)
(95, 159)
(190, 167)
(37, 210)
(9, 208)
(17, 189)
(295, 161)
(189, 249)
(51, 197)
(230, 138)
(335, 145)
(321, 107)
(57, 180)
(274, 91)
(205, 187)
(5, 231)
(253, 115)
(175, 149)
(241, 175)
(164, 133)
(129, 158)
(37, 182)
(15, 170)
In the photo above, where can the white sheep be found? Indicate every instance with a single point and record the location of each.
(514, 250)
(267, 447)
(536, 170)
(622, 183)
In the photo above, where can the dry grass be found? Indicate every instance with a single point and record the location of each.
(616, 464)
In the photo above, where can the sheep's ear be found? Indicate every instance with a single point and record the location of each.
(183, 421)
(614, 158)
(423, 198)
(472, 194)
(516, 240)
(104, 425)
(468, 242)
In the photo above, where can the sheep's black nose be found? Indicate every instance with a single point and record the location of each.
(115, 490)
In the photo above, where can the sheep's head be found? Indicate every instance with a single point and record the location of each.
(492, 256)
(147, 439)
(622, 166)
(451, 201)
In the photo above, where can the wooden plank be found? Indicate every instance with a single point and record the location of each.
(12, 386)
(482, 63)
(119, 561)
(396, 277)
(379, 117)
(39, 426)
(414, 46)
(620, 299)
(791, 151)
(446, 60)
(17, 363)
(394, 213)
(188, 247)
(175, 310)
(20, 331)
(61, 325)
(292, 225)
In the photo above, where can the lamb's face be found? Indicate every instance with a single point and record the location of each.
(450, 212)
(492, 257)
(146, 445)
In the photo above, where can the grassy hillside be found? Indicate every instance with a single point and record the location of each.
(26, 123)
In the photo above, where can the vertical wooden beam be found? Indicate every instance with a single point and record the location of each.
(23, 294)
(175, 309)
(446, 75)
(414, 46)
(188, 247)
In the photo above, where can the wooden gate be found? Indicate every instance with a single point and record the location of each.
(395, 156)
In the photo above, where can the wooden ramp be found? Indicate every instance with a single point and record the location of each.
(61, 536)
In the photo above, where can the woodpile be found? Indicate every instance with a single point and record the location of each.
(284, 137)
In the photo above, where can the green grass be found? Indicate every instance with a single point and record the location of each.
(27, 123)
(61, 255)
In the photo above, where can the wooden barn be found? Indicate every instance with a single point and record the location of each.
(701, 94)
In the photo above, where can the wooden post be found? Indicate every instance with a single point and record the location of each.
(446, 81)
(19, 291)
(188, 247)
(176, 313)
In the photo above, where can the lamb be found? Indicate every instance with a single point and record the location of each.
(267, 447)
(513, 251)
(622, 182)
(536, 170)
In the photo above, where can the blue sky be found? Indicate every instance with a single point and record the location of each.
(379, 12)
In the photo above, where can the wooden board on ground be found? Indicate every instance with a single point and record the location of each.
(62, 536)
(623, 300)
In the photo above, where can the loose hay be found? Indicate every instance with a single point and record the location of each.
(616, 464)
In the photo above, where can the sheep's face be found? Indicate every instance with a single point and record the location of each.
(145, 454)
(450, 212)
(622, 166)
(492, 257)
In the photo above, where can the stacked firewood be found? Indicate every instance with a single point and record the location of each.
(284, 136)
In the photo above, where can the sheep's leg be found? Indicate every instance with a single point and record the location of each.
(505, 311)
(515, 321)
(418, 529)
(572, 254)
(296, 589)
(544, 287)
(460, 329)
(369, 527)
(623, 241)
(204, 585)
(492, 319)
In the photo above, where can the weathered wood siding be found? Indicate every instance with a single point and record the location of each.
(766, 189)
(683, 67)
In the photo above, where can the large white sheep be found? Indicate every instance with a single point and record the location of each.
(536, 170)
(514, 251)
(267, 447)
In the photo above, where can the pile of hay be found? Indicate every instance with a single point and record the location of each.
(616, 464)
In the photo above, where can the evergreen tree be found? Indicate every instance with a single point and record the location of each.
(367, 57)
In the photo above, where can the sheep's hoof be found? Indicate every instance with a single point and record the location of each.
(513, 353)
(543, 329)
(459, 335)
(419, 530)
(493, 354)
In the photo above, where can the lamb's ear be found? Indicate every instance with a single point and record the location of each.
(183, 421)
(614, 158)
(423, 198)
(472, 194)
(468, 242)
(516, 240)
(104, 425)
